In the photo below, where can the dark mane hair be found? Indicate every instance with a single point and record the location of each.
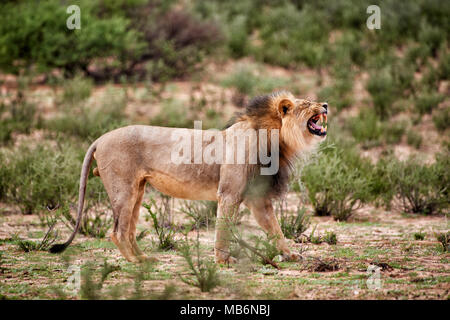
(262, 112)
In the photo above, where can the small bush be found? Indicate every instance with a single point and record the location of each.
(441, 119)
(238, 40)
(337, 183)
(173, 114)
(76, 90)
(204, 270)
(290, 37)
(381, 89)
(89, 122)
(330, 237)
(43, 245)
(419, 236)
(39, 177)
(313, 238)
(368, 130)
(17, 117)
(90, 288)
(427, 101)
(95, 223)
(257, 249)
(203, 213)
(444, 240)
(420, 188)
(414, 138)
(250, 81)
(293, 225)
(164, 229)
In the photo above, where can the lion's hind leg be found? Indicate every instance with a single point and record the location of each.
(132, 235)
(123, 195)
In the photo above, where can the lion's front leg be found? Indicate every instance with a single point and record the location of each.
(226, 216)
(262, 209)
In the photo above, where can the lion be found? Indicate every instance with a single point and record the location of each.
(130, 157)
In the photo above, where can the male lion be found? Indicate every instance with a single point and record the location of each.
(129, 157)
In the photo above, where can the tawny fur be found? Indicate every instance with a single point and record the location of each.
(129, 157)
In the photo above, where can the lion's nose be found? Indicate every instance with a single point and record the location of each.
(325, 105)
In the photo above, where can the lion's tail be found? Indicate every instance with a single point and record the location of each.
(83, 180)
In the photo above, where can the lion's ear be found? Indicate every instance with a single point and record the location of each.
(285, 106)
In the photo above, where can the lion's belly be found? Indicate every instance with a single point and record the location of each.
(182, 189)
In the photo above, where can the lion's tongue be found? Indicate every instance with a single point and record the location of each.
(316, 126)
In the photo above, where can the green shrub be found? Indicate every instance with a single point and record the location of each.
(431, 36)
(419, 236)
(204, 270)
(43, 245)
(173, 114)
(394, 131)
(37, 34)
(420, 188)
(45, 176)
(238, 40)
(414, 139)
(95, 222)
(339, 94)
(444, 240)
(164, 228)
(337, 183)
(18, 117)
(138, 39)
(366, 128)
(89, 122)
(441, 119)
(250, 81)
(295, 224)
(427, 101)
(382, 91)
(330, 237)
(76, 90)
(203, 213)
(444, 66)
(91, 289)
(290, 36)
(257, 249)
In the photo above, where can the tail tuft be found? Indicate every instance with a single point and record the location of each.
(57, 248)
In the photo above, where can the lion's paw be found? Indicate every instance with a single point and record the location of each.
(144, 258)
(291, 257)
(227, 260)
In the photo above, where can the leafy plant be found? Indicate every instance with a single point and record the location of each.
(204, 270)
(95, 223)
(330, 237)
(256, 248)
(427, 101)
(91, 289)
(164, 229)
(295, 224)
(419, 236)
(43, 245)
(420, 188)
(337, 183)
(382, 90)
(203, 213)
(444, 239)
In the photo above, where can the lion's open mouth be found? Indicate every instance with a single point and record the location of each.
(318, 124)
